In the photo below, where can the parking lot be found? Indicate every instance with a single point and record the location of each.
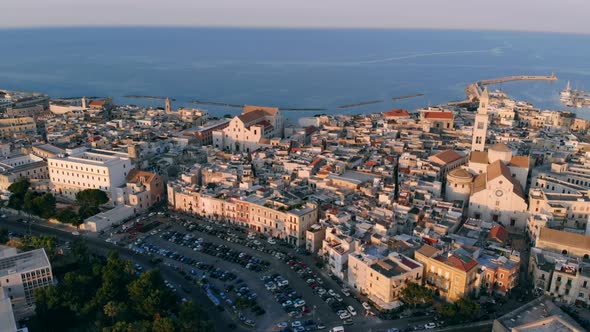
(286, 290)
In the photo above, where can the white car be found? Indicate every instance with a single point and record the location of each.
(366, 306)
(75, 233)
(351, 310)
(296, 323)
(271, 241)
(429, 326)
(345, 291)
(299, 303)
(282, 325)
(344, 315)
(332, 292)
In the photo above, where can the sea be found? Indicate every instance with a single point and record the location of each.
(290, 68)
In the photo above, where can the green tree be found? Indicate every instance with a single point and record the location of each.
(415, 294)
(4, 236)
(464, 309)
(163, 325)
(67, 216)
(114, 309)
(20, 187)
(87, 211)
(149, 296)
(91, 197)
(45, 205)
(192, 318)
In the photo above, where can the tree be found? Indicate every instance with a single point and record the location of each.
(163, 325)
(45, 205)
(416, 294)
(67, 216)
(193, 318)
(87, 211)
(4, 236)
(91, 197)
(464, 309)
(114, 309)
(20, 187)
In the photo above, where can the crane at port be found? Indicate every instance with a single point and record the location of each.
(167, 100)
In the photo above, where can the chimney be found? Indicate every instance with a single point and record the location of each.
(84, 104)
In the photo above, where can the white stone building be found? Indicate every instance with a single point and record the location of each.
(21, 274)
(254, 128)
(82, 169)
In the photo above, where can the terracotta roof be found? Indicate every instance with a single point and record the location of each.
(427, 250)
(438, 115)
(498, 233)
(479, 184)
(498, 168)
(396, 113)
(461, 262)
(265, 109)
(137, 175)
(251, 116)
(500, 147)
(445, 157)
(479, 157)
(97, 103)
(568, 239)
(520, 161)
(460, 173)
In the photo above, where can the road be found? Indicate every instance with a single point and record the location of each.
(219, 319)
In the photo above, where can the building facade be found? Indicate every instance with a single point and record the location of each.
(88, 169)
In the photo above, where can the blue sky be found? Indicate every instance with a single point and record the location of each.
(528, 15)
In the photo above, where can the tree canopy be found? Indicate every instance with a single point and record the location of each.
(91, 197)
(107, 295)
(415, 294)
(463, 310)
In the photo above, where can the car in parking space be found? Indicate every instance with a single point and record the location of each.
(429, 326)
(332, 292)
(351, 310)
(366, 306)
(250, 323)
(282, 325)
(299, 303)
(299, 329)
(271, 241)
(346, 291)
(321, 291)
(296, 323)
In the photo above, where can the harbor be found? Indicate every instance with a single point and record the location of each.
(573, 97)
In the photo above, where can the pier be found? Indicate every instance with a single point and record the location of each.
(474, 90)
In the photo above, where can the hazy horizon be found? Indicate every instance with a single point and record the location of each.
(566, 16)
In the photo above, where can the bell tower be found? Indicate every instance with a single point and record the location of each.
(480, 126)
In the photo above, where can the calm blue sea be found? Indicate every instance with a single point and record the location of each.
(289, 68)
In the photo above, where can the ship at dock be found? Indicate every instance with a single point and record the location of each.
(574, 98)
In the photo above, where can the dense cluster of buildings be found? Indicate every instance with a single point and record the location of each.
(446, 197)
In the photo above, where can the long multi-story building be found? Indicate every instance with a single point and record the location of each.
(84, 168)
(9, 126)
(272, 216)
(452, 275)
(21, 274)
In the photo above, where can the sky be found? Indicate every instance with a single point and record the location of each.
(523, 15)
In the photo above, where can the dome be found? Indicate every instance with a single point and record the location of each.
(460, 174)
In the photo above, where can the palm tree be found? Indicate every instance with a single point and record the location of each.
(111, 309)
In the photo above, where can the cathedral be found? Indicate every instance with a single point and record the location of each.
(498, 189)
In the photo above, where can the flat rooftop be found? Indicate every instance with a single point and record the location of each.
(25, 261)
(524, 317)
